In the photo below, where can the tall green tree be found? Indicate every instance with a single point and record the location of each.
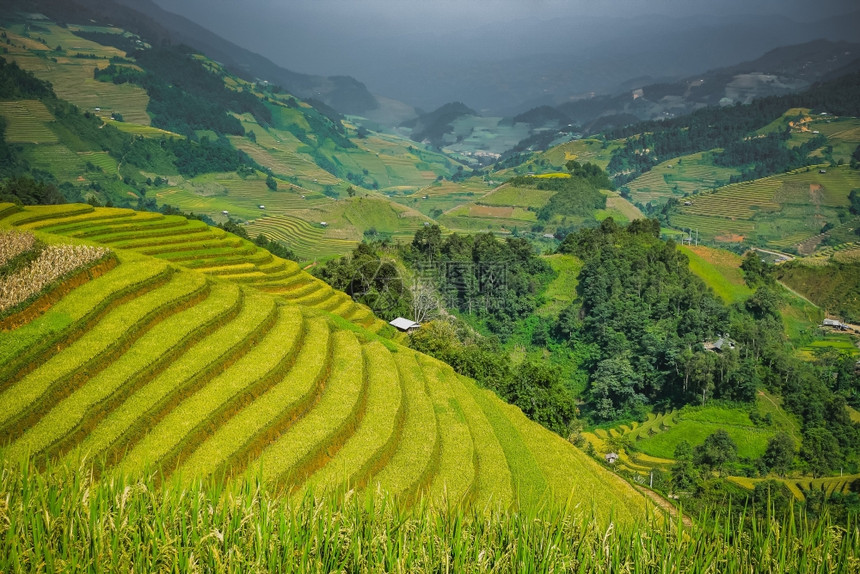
(820, 450)
(716, 452)
(683, 473)
(778, 457)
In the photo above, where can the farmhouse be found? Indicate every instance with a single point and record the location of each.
(611, 458)
(405, 325)
(720, 345)
(834, 324)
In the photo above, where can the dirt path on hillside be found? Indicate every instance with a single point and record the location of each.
(796, 294)
(664, 504)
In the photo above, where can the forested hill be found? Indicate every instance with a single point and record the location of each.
(146, 19)
(649, 143)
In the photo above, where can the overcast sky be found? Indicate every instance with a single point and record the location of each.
(314, 36)
(384, 43)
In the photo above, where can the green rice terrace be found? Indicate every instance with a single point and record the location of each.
(180, 347)
(648, 447)
(781, 211)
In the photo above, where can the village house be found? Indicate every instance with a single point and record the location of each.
(405, 325)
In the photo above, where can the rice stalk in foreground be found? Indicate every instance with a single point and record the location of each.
(64, 520)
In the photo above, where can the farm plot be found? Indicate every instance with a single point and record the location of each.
(200, 414)
(151, 366)
(27, 122)
(695, 425)
(150, 354)
(200, 364)
(312, 441)
(720, 270)
(375, 440)
(456, 476)
(307, 239)
(191, 244)
(508, 195)
(58, 159)
(411, 466)
(686, 175)
(780, 210)
(66, 370)
(242, 437)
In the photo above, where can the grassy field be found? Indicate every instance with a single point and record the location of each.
(694, 424)
(211, 358)
(654, 440)
(830, 286)
(562, 290)
(720, 270)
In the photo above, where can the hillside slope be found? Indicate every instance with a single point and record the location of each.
(204, 358)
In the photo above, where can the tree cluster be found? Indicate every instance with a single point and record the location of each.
(497, 281)
(648, 316)
(535, 386)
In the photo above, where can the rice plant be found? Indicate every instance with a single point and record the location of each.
(13, 244)
(53, 263)
(64, 520)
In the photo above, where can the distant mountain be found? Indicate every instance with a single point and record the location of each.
(779, 71)
(548, 62)
(143, 17)
(433, 126)
(541, 116)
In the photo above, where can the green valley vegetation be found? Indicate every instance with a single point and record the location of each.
(642, 333)
(88, 134)
(834, 286)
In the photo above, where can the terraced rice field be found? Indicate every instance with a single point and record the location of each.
(800, 487)
(306, 239)
(781, 210)
(72, 77)
(189, 244)
(508, 195)
(154, 364)
(27, 122)
(690, 174)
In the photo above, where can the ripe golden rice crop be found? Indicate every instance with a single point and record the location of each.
(54, 262)
(13, 243)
